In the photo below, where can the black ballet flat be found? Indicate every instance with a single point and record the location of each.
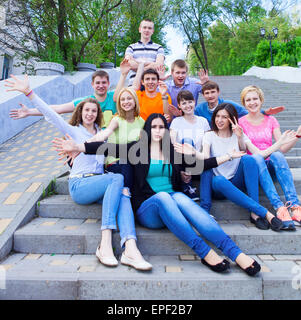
(220, 267)
(253, 269)
(260, 223)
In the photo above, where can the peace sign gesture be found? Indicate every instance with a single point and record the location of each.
(237, 130)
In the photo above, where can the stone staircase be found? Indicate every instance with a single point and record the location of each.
(54, 254)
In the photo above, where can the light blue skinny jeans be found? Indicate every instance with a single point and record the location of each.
(106, 189)
(179, 213)
(246, 178)
(276, 168)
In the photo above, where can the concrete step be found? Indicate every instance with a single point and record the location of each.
(63, 207)
(82, 277)
(294, 161)
(61, 185)
(294, 152)
(80, 236)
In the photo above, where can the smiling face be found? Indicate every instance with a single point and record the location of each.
(157, 130)
(222, 120)
(187, 106)
(211, 96)
(101, 86)
(146, 29)
(252, 102)
(179, 76)
(150, 82)
(127, 102)
(89, 113)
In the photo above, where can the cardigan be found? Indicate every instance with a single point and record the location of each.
(141, 190)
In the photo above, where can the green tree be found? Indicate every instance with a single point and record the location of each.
(192, 18)
(57, 30)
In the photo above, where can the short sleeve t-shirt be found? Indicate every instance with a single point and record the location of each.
(220, 146)
(108, 107)
(150, 105)
(260, 135)
(187, 130)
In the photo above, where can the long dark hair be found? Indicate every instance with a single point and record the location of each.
(231, 111)
(165, 144)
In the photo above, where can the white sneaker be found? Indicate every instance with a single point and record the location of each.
(138, 265)
(107, 261)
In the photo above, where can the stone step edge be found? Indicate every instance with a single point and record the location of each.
(174, 279)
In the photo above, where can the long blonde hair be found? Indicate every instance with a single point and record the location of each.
(132, 92)
(77, 119)
(248, 89)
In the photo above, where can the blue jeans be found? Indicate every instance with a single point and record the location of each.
(106, 189)
(126, 170)
(245, 178)
(276, 168)
(179, 213)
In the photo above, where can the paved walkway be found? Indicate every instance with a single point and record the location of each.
(28, 163)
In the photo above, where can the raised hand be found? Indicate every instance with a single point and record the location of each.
(18, 84)
(67, 145)
(162, 88)
(236, 128)
(23, 112)
(288, 136)
(125, 66)
(174, 111)
(274, 110)
(203, 76)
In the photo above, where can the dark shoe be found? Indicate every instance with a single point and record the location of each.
(220, 267)
(261, 223)
(253, 269)
(276, 224)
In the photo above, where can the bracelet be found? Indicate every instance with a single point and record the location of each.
(298, 136)
(164, 97)
(28, 94)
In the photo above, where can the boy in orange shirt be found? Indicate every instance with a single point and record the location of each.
(151, 100)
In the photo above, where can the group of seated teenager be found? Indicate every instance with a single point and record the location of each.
(137, 149)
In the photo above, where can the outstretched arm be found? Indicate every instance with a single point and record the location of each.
(22, 86)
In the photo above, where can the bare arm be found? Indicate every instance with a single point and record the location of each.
(104, 134)
(286, 138)
(24, 111)
(124, 70)
(137, 79)
(288, 146)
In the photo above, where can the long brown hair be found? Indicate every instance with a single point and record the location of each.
(76, 118)
(231, 111)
